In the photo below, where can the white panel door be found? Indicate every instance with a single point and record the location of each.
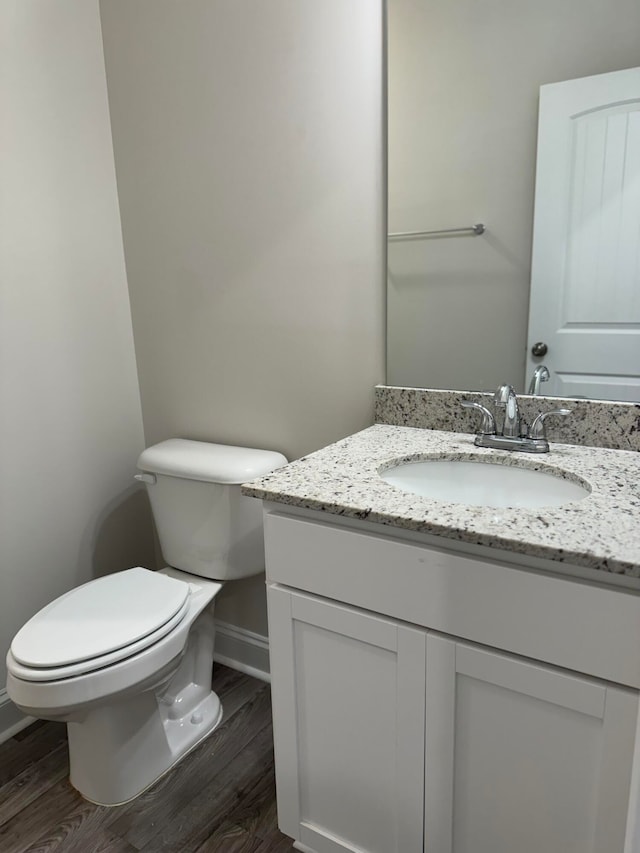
(348, 719)
(585, 277)
(523, 757)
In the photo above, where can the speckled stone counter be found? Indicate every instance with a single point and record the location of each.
(601, 532)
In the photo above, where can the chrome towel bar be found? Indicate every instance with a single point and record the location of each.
(417, 235)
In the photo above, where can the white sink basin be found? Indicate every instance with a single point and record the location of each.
(483, 483)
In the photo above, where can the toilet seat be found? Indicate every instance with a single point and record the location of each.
(85, 666)
(99, 624)
(57, 697)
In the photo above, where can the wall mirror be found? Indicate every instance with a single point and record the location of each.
(464, 84)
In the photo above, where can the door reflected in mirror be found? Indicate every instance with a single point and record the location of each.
(464, 85)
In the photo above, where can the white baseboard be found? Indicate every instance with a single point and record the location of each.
(12, 721)
(242, 650)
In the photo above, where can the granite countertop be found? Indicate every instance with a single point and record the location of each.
(601, 532)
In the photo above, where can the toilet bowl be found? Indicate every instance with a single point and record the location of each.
(126, 660)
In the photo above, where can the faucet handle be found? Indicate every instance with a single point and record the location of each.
(537, 429)
(488, 422)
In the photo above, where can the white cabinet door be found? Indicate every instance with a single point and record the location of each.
(348, 717)
(523, 757)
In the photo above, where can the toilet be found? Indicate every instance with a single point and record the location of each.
(125, 660)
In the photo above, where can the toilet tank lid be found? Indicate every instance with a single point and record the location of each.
(210, 463)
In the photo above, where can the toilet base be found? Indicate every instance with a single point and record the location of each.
(113, 761)
(119, 749)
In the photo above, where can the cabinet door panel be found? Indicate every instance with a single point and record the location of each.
(348, 727)
(537, 759)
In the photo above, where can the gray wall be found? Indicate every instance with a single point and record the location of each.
(248, 143)
(71, 426)
(463, 93)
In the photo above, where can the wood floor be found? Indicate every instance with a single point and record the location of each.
(220, 799)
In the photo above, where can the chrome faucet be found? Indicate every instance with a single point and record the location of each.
(540, 374)
(506, 430)
(507, 412)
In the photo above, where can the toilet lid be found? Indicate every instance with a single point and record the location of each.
(113, 616)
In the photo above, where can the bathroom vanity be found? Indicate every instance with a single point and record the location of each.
(453, 678)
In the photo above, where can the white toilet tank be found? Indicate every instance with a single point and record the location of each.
(205, 525)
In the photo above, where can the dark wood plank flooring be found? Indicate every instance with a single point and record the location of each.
(220, 799)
